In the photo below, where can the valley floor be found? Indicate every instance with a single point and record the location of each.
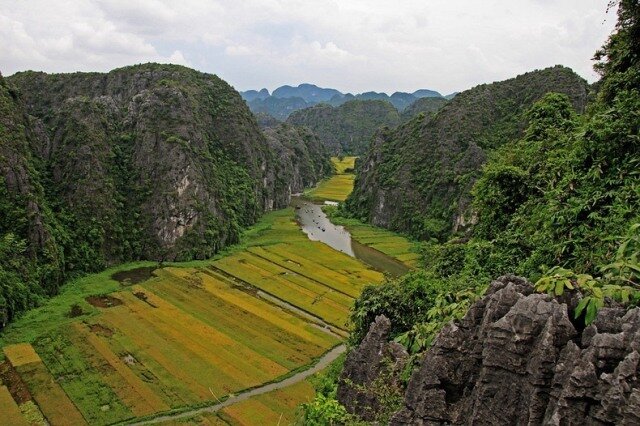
(337, 187)
(142, 340)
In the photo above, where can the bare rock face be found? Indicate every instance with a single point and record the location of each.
(516, 358)
(374, 359)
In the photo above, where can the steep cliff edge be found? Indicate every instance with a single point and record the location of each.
(517, 358)
(31, 258)
(150, 161)
(417, 178)
(302, 157)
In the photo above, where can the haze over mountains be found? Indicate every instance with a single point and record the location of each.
(286, 99)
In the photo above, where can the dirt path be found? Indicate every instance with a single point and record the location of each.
(322, 363)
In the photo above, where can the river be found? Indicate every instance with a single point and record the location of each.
(315, 223)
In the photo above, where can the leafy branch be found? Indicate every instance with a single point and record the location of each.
(620, 280)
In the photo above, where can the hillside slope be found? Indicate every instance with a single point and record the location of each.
(429, 106)
(30, 257)
(347, 129)
(147, 162)
(417, 178)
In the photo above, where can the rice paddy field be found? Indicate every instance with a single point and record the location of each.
(337, 187)
(162, 340)
(141, 341)
(273, 408)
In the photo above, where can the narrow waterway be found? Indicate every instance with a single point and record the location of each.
(315, 223)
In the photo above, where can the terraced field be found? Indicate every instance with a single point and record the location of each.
(286, 272)
(184, 336)
(337, 187)
(137, 342)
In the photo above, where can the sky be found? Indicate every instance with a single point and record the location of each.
(351, 45)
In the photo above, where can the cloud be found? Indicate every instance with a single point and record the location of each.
(354, 46)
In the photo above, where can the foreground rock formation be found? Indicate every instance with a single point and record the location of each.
(517, 358)
(376, 364)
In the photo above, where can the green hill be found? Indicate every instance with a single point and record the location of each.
(144, 162)
(347, 129)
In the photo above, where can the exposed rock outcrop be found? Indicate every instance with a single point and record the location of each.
(174, 149)
(517, 358)
(375, 360)
(157, 162)
(302, 158)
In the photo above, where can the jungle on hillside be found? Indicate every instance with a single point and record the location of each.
(557, 203)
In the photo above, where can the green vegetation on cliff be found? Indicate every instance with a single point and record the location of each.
(428, 106)
(417, 178)
(31, 258)
(556, 201)
(565, 194)
(144, 162)
(347, 129)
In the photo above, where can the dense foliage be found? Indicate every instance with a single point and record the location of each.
(566, 194)
(347, 129)
(418, 177)
(427, 106)
(145, 162)
(324, 409)
(31, 259)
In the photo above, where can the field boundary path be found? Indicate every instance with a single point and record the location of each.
(321, 364)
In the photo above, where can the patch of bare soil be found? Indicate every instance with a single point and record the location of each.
(101, 330)
(12, 380)
(104, 301)
(134, 276)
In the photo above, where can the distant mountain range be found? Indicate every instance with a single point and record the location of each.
(286, 99)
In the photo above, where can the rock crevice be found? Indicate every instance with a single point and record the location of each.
(517, 358)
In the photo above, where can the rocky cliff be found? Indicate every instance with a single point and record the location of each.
(147, 162)
(417, 178)
(518, 358)
(30, 254)
(302, 158)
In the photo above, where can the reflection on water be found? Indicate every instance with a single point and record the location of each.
(318, 227)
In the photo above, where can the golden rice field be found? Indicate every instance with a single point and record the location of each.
(187, 337)
(344, 163)
(337, 187)
(11, 414)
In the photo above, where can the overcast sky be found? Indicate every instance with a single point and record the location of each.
(351, 45)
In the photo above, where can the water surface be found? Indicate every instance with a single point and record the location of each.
(315, 223)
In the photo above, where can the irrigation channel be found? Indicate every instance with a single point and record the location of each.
(317, 226)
